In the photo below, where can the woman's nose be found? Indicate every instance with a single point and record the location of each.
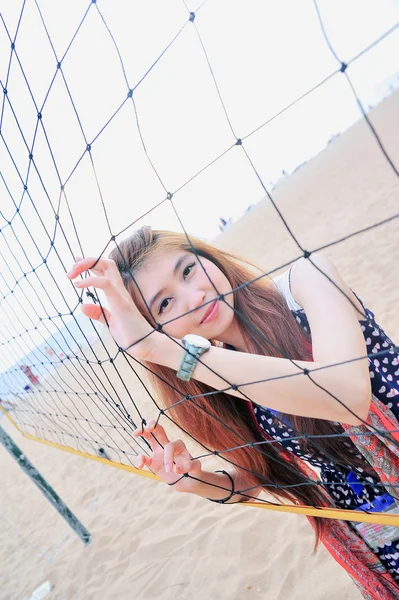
(197, 299)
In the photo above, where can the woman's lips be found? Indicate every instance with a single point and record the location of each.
(211, 312)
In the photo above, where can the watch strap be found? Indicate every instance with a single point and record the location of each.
(189, 361)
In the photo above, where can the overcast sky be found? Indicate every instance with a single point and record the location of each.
(264, 54)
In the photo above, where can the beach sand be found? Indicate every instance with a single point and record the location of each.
(150, 542)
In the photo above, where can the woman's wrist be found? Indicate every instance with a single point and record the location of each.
(163, 350)
(216, 487)
(152, 348)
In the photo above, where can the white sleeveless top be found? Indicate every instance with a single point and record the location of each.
(282, 282)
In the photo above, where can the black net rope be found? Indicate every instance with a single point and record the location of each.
(87, 404)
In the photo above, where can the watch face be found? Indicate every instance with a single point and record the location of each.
(197, 340)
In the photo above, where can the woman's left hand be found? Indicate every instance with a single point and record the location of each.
(126, 324)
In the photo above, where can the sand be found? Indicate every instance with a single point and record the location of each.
(150, 542)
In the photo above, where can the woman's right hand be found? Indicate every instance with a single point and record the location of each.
(169, 460)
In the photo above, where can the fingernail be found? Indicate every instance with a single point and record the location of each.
(168, 468)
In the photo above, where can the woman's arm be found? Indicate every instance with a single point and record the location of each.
(336, 337)
(335, 329)
(336, 333)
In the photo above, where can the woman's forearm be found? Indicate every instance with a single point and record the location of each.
(217, 486)
(287, 390)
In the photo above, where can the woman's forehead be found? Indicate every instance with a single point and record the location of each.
(161, 260)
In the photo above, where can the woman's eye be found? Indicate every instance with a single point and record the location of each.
(164, 304)
(187, 270)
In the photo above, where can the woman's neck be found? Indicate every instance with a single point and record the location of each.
(233, 337)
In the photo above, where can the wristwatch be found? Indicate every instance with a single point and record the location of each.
(195, 345)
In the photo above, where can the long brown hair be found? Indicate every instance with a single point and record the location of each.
(220, 421)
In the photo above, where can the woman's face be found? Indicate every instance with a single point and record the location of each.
(174, 283)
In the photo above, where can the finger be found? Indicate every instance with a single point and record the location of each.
(142, 461)
(81, 265)
(97, 313)
(138, 432)
(101, 283)
(180, 447)
(169, 452)
(142, 432)
(106, 266)
(154, 434)
(183, 464)
(99, 266)
(159, 434)
(85, 264)
(172, 451)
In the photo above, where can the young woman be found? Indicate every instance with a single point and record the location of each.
(263, 378)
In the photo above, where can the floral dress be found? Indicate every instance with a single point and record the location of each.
(347, 490)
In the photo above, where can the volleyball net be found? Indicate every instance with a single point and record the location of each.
(64, 380)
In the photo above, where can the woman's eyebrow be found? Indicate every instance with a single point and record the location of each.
(179, 261)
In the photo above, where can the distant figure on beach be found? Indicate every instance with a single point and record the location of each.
(284, 175)
(6, 405)
(50, 352)
(30, 375)
(53, 356)
(224, 224)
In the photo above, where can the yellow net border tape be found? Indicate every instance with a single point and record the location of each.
(310, 511)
